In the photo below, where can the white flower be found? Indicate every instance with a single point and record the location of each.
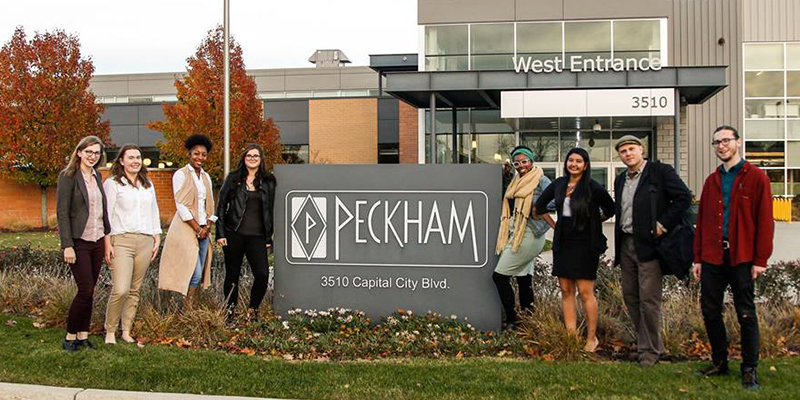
(453, 317)
(285, 324)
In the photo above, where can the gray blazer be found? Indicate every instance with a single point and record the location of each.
(72, 207)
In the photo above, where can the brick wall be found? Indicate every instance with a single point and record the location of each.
(665, 138)
(343, 131)
(409, 134)
(22, 207)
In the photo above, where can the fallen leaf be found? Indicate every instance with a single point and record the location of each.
(460, 355)
(288, 357)
(347, 386)
(682, 390)
(39, 325)
(11, 322)
(772, 368)
(140, 345)
(502, 353)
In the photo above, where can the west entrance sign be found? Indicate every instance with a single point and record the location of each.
(377, 238)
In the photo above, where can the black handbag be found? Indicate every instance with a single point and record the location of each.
(675, 248)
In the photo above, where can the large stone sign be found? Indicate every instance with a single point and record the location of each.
(381, 237)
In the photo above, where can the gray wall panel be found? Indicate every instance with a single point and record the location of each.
(388, 131)
(449, 11)
(294, 110)
(695, 27)
(151, 113)
(293, 132)
(121, 115)
(771, 20)
(121, 134)
(540, 10)
(591, 9)
(388, 109)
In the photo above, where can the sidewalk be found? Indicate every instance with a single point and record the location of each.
(786, 245)
(15, 391)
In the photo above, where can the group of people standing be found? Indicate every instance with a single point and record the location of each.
(118, 220)
(733, 241)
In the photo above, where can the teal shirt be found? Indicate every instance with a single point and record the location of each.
(728, 177)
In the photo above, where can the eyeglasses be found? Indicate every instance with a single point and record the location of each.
(522, 163)
(724, 141)
(90, 153)
(252, 156)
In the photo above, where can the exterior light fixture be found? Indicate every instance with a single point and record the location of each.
(147, 162)
(161, 165)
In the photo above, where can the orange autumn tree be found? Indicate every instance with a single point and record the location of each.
(45, 107)
(200, 109)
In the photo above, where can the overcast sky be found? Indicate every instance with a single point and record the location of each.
(132, 36)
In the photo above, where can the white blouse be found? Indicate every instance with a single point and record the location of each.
(131, 209)
(183, 211)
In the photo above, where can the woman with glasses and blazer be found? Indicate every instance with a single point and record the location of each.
(82, 225)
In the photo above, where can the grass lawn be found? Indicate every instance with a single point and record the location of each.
(47, 240)
(31, 355)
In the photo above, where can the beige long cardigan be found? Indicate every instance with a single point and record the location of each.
(179, 257)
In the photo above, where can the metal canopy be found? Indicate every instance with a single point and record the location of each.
(382, 63)
(481, 89)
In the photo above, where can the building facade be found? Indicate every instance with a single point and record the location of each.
(743, 54)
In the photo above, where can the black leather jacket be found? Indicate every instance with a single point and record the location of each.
(232, 203)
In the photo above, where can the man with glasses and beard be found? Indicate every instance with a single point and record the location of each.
(733, 242)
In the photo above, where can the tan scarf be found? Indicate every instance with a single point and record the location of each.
(521, 190)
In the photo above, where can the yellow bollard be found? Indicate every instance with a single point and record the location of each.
(782, 209)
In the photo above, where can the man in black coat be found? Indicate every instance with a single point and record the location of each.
(636, 236)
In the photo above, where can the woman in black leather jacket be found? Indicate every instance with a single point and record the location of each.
(244, 226)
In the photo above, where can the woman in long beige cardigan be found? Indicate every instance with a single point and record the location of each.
(186, 258)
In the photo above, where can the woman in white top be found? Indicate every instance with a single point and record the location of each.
(134, 239)
(185, 261)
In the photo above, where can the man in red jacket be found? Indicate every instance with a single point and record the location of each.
(732, 244)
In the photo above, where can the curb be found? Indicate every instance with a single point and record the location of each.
(16, 391)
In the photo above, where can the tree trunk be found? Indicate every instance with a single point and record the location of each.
(44, 206)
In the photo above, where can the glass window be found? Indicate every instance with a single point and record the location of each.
(450, 41)
(295, 153)
(793, 83)
(767, 129)
(772, 108)
(543, 144)
(446, 40)
(488, 121)
(793, 154)
(763, 56)
(765, 153)
(444, 121)
(793, 129)
(541, 41)
(776, 181)
(637, 39)
(793, 108)
(550, 173)
(600, 175)
(492, 38)
(587, 39)
(597, 144)
(388, 153)
(763, 84)
(492, 46)
(449, 63)
(492, 148)
(793, 55)
(794, 182)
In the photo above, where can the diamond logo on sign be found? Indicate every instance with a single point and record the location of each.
(309, 227)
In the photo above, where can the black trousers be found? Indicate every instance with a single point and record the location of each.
(714, 279)
(85, 270)
(506, 292)
(255, 248)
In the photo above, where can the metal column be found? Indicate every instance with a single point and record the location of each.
(433, 128)
(677, 133)
(455, 136)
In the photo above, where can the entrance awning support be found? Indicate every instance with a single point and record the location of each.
(677, 132)
(433, 127)
(455, 136)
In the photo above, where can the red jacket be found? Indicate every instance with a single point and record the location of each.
(750, 222)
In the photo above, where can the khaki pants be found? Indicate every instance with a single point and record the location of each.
(641, 291)
(132, 257)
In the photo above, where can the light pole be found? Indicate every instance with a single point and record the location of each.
(227, 91)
